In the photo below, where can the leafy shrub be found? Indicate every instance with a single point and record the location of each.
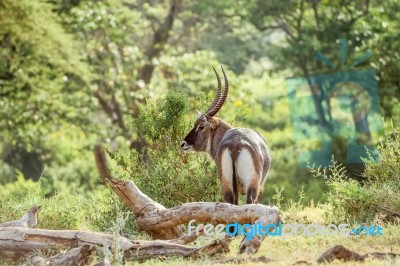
(163, 172)
(378, 196)
(388, 169)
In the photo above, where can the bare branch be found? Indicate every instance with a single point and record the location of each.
(25, 240)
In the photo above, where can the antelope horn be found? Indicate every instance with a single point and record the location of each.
(216, 99)
(221, 99)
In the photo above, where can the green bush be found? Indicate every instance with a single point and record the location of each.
(378, 196)
(163, 172)
(388, 169)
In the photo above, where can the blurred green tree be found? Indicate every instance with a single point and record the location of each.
(43, 83)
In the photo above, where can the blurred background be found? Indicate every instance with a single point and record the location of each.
(130, 74)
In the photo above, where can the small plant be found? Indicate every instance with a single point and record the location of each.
(117, 256)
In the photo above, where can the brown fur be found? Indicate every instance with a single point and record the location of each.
(213, 135)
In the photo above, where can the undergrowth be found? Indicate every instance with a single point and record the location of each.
(378, 197)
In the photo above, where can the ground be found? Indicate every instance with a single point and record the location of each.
(300, 248)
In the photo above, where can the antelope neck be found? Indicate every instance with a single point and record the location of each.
(216, 137)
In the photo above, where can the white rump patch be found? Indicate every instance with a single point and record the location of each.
(226, 167)
(245, 168)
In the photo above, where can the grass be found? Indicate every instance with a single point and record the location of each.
(300, 248)
(282, 251)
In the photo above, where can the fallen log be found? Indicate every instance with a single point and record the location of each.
(24, 240)
(210, 212)
(135, 199)
(162, 223)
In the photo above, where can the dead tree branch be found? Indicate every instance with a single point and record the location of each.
(24, 240)
(135, 199)
(162, 223)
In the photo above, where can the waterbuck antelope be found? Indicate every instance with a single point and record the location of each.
(241, 154)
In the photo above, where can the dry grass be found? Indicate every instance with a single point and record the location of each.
(297, 248)
(300, 248)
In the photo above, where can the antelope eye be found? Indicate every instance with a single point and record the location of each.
(201, 127)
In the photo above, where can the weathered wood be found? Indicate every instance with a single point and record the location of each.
(188, 238)
(339, 252)
(29, 219)
(25, 240)
(210, 212)
(269, 216)
(135, 199)
(71, 257)
(163, 223)
(158, 221)
(162, 248)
